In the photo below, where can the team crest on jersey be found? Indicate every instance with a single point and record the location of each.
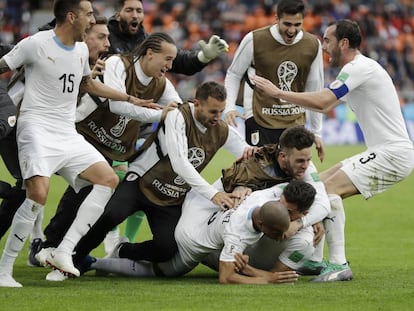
(131, 177)
(11, 121)
(255, 137)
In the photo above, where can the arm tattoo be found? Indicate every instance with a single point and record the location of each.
(3, 66)
(85, 80)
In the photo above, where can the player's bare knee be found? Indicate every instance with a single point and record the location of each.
(110, 180)
(38, 195)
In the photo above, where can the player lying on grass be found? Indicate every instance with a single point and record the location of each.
(203, 229)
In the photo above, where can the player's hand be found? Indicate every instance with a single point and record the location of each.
(241, 262)
(212, 49)
(240, 193)
(147, 103)
(248, 152)
(266, 85)
(320, 148)
(294, 227)
(318, 231)
(230, 117)
(98, 69)
(169, 107)
(223, 200)
(284, 277)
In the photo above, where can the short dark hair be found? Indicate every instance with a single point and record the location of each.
(300, 193)
(291, 7)
(119, 4)
(297, 137)
(350, 30)
(63, 7)
(99, 20)
(211, 89)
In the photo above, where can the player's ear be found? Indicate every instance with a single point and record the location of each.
(117, 16)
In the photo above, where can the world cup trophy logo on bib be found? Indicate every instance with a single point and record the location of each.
(118, 129)
(286, 73)
(196, 156)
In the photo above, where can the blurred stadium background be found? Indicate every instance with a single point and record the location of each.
(387, 28)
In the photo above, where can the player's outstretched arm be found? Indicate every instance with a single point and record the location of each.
(97, 88)
(251, 275)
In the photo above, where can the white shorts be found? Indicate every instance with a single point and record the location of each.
(377, 169)
(45, 150)
(188, 233)
(293, 252)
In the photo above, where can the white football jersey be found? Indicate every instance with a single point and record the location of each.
(373, 98)
(203, 229)
(53, 73)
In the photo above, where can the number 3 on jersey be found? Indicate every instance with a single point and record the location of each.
(370, 157)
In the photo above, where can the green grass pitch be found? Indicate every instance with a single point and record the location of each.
(380, 248)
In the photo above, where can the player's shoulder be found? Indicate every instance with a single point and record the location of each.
(42, 36)
(361, 67)
(37, 39)
(81, 46)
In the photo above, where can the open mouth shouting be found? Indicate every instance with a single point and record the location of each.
(133, 27)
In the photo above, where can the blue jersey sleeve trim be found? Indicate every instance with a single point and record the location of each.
(340, 91)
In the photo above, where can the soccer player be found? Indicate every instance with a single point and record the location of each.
(273, 164)
(56, 64)
(165, 169)
(389, 157)
(141, 72)
(112, 127)
(286, 55)
(204, 229)
(126, 34)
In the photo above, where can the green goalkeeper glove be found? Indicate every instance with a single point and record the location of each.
(215, 47)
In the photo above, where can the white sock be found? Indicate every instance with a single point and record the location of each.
(20, 229)
(318, 252)
(124, 266)
(335, 230)
(37, 232)
(111, 240)
(88, 213)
